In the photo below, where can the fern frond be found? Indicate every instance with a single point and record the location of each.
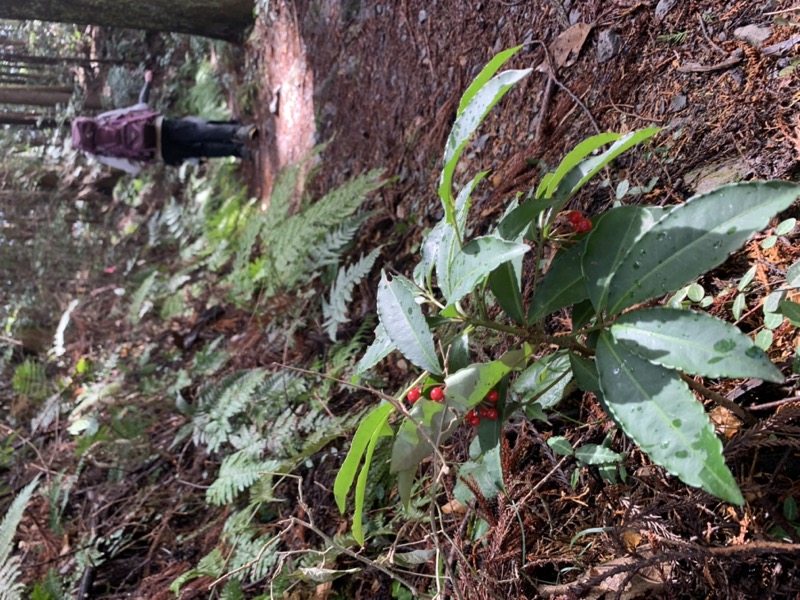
(335, 309)
(211, 565)
(219, 404)
(336, 241)
(30, 379)
(140, 302)
(289, 245)
(237, 473)
(10, 587)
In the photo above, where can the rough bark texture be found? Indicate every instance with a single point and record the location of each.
(221, 19)
(35, 95)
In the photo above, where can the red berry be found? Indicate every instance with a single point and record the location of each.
(437, 394)
(414, 394)
(583, 226)
(491, 414)
(575, 216)
(475, 420)
(493, 396)
(483, 411)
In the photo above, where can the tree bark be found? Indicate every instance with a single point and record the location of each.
(35, 95)
(30, 121)
(220, 19)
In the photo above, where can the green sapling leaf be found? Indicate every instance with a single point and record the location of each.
(405, 324)
(693, 342)
(655, 408)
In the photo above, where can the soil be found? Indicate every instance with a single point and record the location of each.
(382, 82)
(378, 85)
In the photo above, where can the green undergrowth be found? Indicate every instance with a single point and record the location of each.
(212, 248)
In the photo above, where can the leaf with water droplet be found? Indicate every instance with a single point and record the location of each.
(693, 342)
(405, 324)
(646, 405)
(697, 239)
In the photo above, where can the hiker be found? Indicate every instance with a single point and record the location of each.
(129, 138)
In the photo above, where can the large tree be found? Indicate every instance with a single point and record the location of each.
(221, 19)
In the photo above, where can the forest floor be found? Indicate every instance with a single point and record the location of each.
(379, 85)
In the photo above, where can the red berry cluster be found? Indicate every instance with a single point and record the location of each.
(437, 394)
(475, 415)
(579, 222)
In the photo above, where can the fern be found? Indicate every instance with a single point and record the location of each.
(219, 405)
(289, 245)
(337, 240)
(236, 474)
(10, 587)
(30, 380)
(211, 565)
(140, 302)
(335, 309)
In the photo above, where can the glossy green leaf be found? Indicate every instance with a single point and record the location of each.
(443, 237)
(582, 314)
(772, 320)
(461, 269)
(467, 387)
(405, 324)
(470, 116)
(484, 76)
(515, 223)
(373, 422)
(458, 353)
(575, 156)
(561, 445)
(608, 244)
(429, 251)
(764, 339)
(693, 342)
(545, 380)
(738, 306)
(747, 278)
(430, 418)
(378, 350)
(504, 284)
(786, 226)
(772, 303)
(405, 483)
(579, 175)
(790, 310)
(793, 275)
(562, 285)
(695, 237)
(655, 408)
(594, 454)
(361, 483)
(585, 373)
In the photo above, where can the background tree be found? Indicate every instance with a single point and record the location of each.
(220, 19)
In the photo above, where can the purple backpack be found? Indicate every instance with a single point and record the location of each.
(123, 136)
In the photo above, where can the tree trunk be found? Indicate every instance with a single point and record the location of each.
(221, 19)
(35, 95)
(29, 59)
(30, 121)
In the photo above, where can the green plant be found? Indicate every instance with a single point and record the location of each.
(608, 463)
(10, 587)
(632, 356)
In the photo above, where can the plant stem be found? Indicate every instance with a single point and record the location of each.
(721, 400)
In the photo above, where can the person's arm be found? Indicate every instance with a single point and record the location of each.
(123, 164)
(144, 95)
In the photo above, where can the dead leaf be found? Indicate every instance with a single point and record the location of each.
(725, 422)
(645, 583)
(454, 507)
(565, 48)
